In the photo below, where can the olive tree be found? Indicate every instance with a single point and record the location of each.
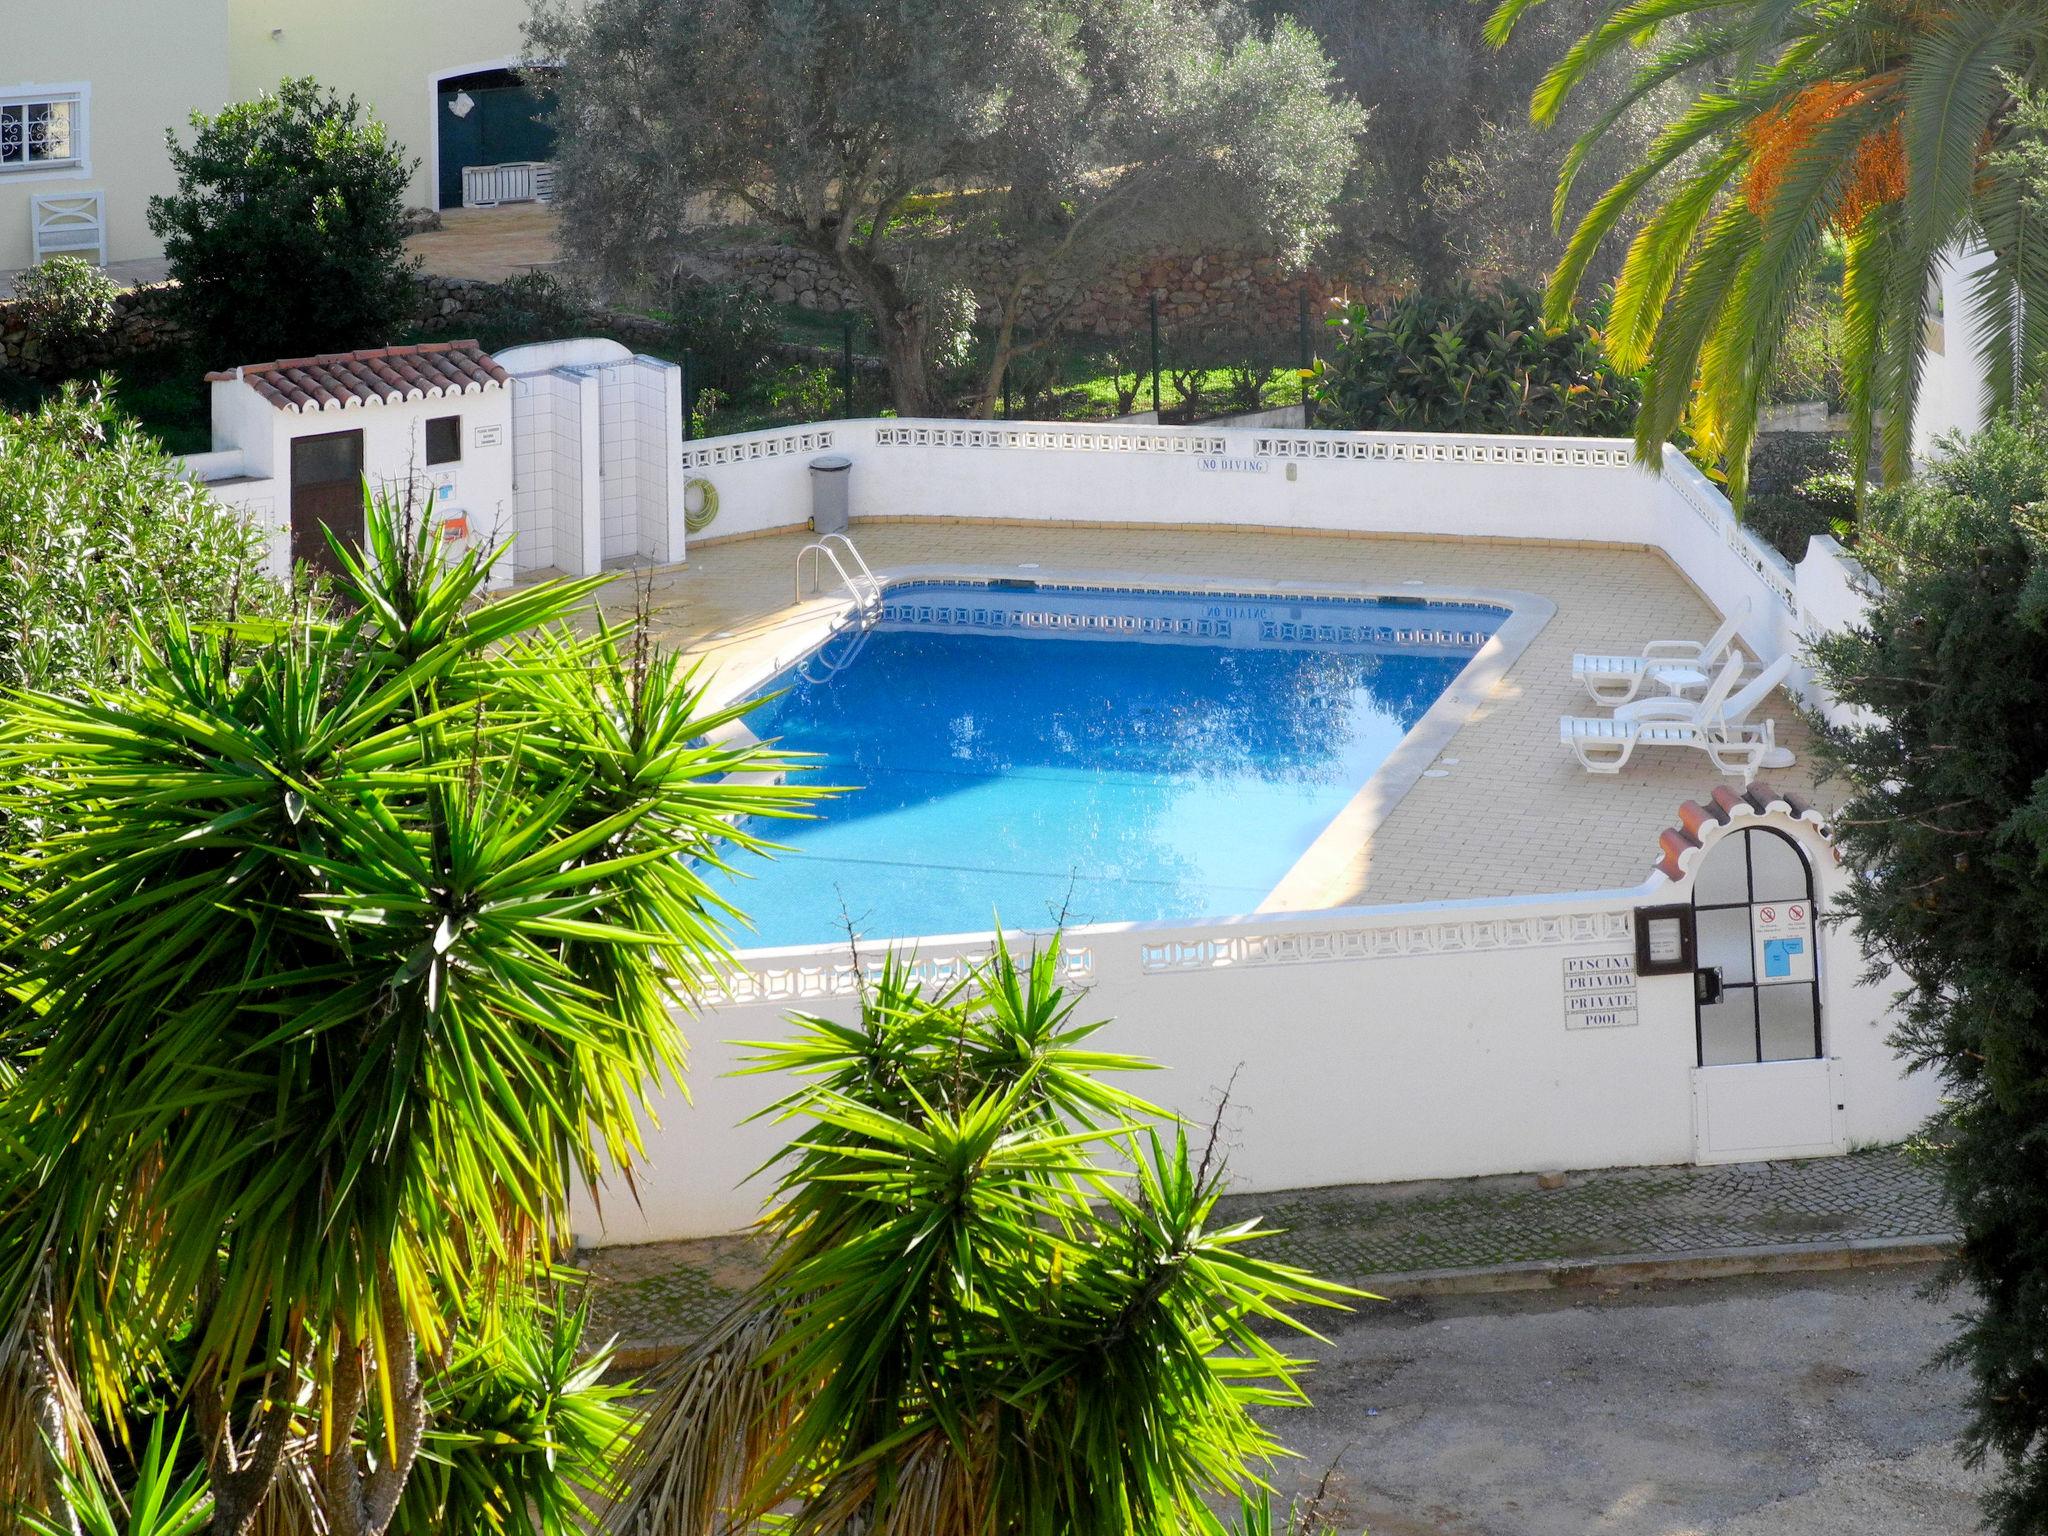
(895, 143)
(1454, 182)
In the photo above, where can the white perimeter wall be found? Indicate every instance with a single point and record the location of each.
(1582, 490)
(1367, 1044)
(1358, 1046)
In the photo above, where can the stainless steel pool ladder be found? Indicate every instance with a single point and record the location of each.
(858, 581)
(821, 666)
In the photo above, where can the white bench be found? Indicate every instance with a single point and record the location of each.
(69, 224)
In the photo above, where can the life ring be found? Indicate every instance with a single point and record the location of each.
(699, 517)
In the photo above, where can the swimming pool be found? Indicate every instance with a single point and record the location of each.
(1098, 753)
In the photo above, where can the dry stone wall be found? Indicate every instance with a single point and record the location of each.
(1224, 291)
(1251, 295)
(143, 322)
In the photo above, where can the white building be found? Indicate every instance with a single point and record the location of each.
(1952, 377)
(88, 93)
(570, 451)
(295, 441)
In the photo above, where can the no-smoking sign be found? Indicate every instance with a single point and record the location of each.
(1783, 932)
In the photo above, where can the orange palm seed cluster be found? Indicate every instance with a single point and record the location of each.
(1878, 173)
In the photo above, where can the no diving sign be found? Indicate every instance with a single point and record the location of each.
(1783, 934)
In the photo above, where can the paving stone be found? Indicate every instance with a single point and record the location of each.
(661, 1293)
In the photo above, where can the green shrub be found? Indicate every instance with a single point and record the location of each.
(1832, 491)
(1032, 380)
(1945, 829)
(1786, 522)
(99, 527)
(730, 335)
(65, 303)
(706, 405)
(1468, 362)
(523, 1430)
(798, 393)
(287, 231)
(1248, 382)
(536, 306)
(1800, 486)
(1780, 461)
(1809, 362)
(1127, 368)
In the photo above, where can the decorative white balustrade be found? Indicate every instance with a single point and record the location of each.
(746, 447)
(1444, 448)
(1366, 940)
(1042, 436)
(812, 979)
(1696, 491)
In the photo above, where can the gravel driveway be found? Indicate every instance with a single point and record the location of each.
(1785, 1406)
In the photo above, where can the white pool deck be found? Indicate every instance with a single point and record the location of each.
(1502, 809)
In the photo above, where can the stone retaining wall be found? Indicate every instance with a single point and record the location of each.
(1235, 292)
(143, 322)
(1244, 295)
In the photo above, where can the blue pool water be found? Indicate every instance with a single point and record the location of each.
(1114, 754)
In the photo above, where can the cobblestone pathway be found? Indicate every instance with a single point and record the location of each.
(663, 1292)
(1364, 1230)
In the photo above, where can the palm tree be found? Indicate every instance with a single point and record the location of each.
(340, 949)
(999, 1302)
(1888, 123)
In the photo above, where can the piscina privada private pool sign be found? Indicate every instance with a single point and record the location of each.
(1090, 749)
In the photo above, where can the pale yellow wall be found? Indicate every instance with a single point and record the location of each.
(148, 63)
(388, 52)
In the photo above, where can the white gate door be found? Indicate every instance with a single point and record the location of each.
(1764, 1086)
(1767, 1109)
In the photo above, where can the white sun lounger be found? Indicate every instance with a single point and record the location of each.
(1718, 725)
(1677, 666)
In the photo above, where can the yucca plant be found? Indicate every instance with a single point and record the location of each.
(1889, 123)
(162, 1498)
(999, 1301)
(523, 1429)
(343, 947)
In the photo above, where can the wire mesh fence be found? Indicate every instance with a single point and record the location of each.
(1168, 370)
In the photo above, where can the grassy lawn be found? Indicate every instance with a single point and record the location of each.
(165, 392)
(1076, 378)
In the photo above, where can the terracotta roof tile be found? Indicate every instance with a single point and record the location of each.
(1680, 844)
(378, 376)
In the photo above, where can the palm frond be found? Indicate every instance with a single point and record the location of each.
(1954, 84)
